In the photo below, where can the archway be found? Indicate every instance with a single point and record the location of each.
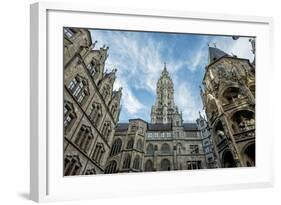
(228, 160)
(250, 155)
(165, 165)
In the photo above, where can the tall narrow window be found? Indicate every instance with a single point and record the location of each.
(114, 109)
(98, 153)
(72, 165)
(111, 167)
(105, 92)
(68, 32)
(78, 87)
(84, 138)
(92, 68)
(165, 148)
(69, 115)
(136, 164)
(148, 167)
(149, 149)
(130, 144)
(116, 147)
(127, 161)
(106, 130)
(139, 145)
(96, 113)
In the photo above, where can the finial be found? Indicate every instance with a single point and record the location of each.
(165, 66)
(94, 44)
(215, 45)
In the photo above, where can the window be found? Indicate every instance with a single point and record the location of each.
(68, 32)
(127, 161)
(148, 167)
(134, 128)
(194, 149)
(111, 167)
(114, 109)
(149, 149)
(193, 165)
(69, 115)
(106, 130)
(165, 148)
(96, 113)
(116, 147)
(139, 145)
(91, 67)
(84, 138)
(136, 164)
(98, 153)
(130, 144)
(72, 165)
(105, 92)
(78, 87)
(90, 171)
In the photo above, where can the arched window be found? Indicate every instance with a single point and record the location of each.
(149, 149)
(106, 130)
(231, 94)
(98, 153)
(84, 138)
(96, 113)
(114, 108)
(116, 147)
(111, 167)
(105, 92)
(228, 159)
(139, 145)
(90, 171)
(69, 115)
(243, 120)
(136, 164)
(127, 161)
(165, 148)
(148, 167)
(130, 144)
(78, 87)
(165, 165)
(92, 68)
(72, 165)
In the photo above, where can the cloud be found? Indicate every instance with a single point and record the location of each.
(140, 56)
(189, 102)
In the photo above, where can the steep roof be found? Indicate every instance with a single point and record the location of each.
(215, 54)
(190, 127)
(123, 127)
(160, 127)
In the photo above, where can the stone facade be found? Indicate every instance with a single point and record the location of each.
(95, 143)
(164, 144)
(228, 96)
(91, 106)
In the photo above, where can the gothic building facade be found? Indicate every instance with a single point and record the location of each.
(167, 143)
(228, 96)
(95, 143)
(91, 106)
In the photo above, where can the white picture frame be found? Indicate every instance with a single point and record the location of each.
(46, 180)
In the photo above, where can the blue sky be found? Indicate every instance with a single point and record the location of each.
(139, 58)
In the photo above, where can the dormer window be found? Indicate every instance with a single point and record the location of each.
(78, 87)
(92, 68)
(68, 32)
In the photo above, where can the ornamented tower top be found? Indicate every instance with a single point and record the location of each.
(165, 110)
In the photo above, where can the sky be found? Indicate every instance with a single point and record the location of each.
(140, 56)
